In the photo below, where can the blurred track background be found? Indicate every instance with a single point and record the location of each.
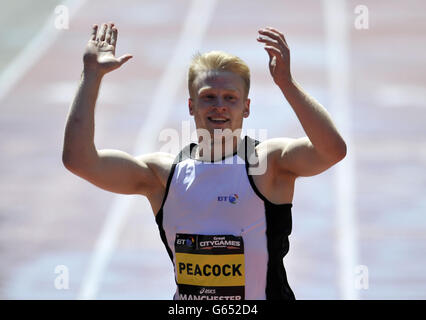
(50, 218)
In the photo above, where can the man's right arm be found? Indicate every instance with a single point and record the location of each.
(112, 170)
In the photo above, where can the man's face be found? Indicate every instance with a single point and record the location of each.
(219, 101)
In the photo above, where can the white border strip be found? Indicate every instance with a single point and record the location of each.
(192, 34)
(34, 50)
(338, 41)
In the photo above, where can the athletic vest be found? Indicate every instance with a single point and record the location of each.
(225, 239)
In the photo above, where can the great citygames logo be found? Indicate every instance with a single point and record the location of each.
(233, 198)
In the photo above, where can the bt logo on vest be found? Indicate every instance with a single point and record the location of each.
(231, 198)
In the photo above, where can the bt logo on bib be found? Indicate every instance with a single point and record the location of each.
(189, 242)
(233, 198)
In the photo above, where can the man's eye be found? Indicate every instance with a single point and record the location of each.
(232, 98)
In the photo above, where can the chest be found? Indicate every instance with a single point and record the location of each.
(212, 198)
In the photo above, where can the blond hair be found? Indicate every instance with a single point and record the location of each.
(218, 61)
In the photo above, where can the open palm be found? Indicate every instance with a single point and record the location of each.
(99, 55)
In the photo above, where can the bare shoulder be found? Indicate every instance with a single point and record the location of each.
(274, 145)
(276, 184)
(160, 164)
(273, 149)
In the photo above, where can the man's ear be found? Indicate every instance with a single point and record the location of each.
(191, 106)
(246, 112)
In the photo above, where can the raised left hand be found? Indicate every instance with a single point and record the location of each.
(279, 55)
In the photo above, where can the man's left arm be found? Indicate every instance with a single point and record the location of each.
(323, 146)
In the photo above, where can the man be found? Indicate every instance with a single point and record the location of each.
(225, 228)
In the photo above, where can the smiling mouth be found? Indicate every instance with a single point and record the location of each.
(217, 120)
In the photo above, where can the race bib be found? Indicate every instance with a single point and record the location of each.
(209, 267)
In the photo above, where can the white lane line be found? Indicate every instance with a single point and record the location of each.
(34, 50)
(337, 29)
(191, 36)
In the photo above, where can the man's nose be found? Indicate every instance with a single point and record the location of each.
(220, 104)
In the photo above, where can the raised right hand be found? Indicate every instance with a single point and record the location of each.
(99, 56)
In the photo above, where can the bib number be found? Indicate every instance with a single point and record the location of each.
(209, 267)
